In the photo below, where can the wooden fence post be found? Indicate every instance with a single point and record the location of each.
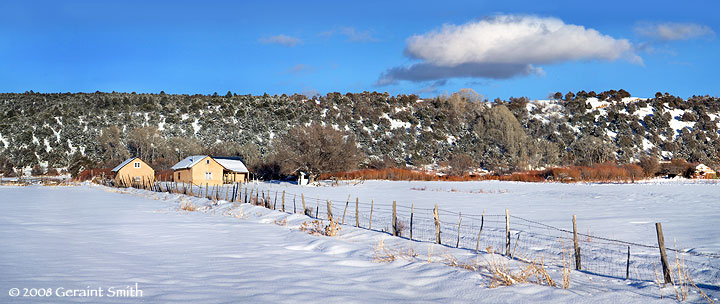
(578, 266)
(275, 201)
(283, 201)
(372, 203)
(302, 196)
(317, 208)
(482, 222)
(412, 213)
(329, 210)
(394, 219)
(507, 232)
(457, 245)
(357, 213)
(627, 268)
(437, 224)
(663, 256)
(344, 211)
(294, 206)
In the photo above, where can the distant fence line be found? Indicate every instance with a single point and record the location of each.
(513, 236)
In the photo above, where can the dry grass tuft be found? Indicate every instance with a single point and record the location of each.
(281, 222)
(317, 227)
(566, 268)
(188, 206)
(385, 255)
(533, 272)
(452, 261)
(682, 282)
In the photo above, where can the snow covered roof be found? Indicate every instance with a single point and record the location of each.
(188, 162)
(702, 168)
(231, 163)
(121, 165)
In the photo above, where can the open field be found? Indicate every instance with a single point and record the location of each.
(75, 237)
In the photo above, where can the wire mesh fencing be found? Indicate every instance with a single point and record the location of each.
(513, 236)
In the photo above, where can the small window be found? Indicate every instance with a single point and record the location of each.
(137, 178)
(207, 161)
(137, 164)
(178, 175)
(208, 175)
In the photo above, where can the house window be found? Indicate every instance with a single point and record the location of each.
(207, 161)
(208, 175)
(178, 175)
(137, 164)
(136, 178)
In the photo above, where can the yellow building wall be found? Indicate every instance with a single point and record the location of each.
(182, 176)
(234, 177)
(135, 175)
(196, 174)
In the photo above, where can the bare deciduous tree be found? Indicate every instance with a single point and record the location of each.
(316, 149)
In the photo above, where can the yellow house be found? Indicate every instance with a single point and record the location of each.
(133, 171)
(207, 170)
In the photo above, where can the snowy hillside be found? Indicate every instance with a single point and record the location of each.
(102, 129)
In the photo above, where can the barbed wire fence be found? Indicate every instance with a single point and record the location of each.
(528, 239)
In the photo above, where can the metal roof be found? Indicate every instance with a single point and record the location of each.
(188, 162)
(234, 164)
(121, 165)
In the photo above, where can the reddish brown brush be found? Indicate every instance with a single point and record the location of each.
(89, 174)
(605, 172)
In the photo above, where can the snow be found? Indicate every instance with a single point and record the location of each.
(608, 210)
(46, 142)
(597, 104)
(92, 236)
(394, 123)
(196, 125)
(188, 162)
(72, 148)
(676, 124)
(232, 164)
(4, 141)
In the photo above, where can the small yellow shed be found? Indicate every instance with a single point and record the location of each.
(133, 171)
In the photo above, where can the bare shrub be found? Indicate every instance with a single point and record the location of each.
(317, 227)
(281, 222)
(650, 165)
(316, 149)
(401, 226)
(460, 164)
(188, 206)
(385, 254)
(308, 211)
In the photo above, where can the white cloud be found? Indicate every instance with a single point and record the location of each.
(503, 47)
(516, 39)
(281, 40)
(673, 31)
(351, 34)
(299, 69)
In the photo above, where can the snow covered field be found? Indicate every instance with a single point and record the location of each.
(688, 210)
(90, 237)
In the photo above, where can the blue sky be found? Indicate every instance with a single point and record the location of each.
(335, 46)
